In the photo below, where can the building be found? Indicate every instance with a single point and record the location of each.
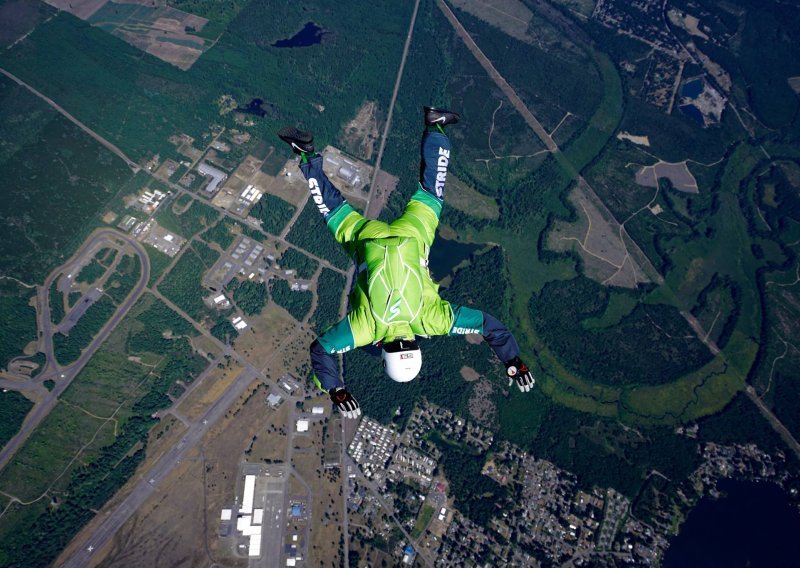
(250, 194)
(217, 177)
(318, 410)
(239, 323)
(302, 425)
(288, 383)
(221, 300)
(274, 400)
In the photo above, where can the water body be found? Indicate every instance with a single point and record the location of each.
(752, 526)
(694, 113)
(446, 254)
(692, 89)
(311, 34)
(253, 108)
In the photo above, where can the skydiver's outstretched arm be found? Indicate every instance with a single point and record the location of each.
(337, 339)
(498, 336)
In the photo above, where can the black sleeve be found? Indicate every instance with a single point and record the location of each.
(499, 338)
(326, 371)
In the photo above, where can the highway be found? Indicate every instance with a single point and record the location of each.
(63, 377)
(149, 483)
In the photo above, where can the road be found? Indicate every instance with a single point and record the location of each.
(389, 113)
(63, 377)
(111, 147)
(149, 483)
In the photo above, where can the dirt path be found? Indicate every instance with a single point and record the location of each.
(497, 78)
(776, 424)
(131, 164)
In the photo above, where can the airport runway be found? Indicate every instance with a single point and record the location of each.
(272, 497)
(149, 484)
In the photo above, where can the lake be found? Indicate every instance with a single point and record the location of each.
(311, 34)
(446, 254)
(753, 525)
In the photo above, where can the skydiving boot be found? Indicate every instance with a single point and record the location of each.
(302, 143)
(437, 118)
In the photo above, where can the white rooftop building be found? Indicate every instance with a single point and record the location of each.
(302, 425)
(249, 493)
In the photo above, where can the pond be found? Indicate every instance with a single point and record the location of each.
(694, 113)
(446, 255)
(753, 525)
(692, 89)
(311, 34)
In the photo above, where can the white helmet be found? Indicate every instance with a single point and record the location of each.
(402, 360)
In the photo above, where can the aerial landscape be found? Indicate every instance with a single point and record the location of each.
(623, 192)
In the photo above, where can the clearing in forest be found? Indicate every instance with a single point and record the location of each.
(602, 244)
(678, 174)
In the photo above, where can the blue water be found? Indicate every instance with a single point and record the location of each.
(692, 89)
(445, 255)
(311, 34)
(694, 113)
(752, 526)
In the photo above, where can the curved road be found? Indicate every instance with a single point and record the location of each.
(63, 377)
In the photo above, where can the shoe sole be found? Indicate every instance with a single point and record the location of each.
(442, 120)
(290, 134)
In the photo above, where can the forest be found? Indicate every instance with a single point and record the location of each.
(13, 409)
(273, 212)
(310, 233)
(18, 323)
(303, 266)
(182, 285)
(653, 344)
(68, 348)
(124, 279)
(330, 287)
(296, 302)
(251, 297)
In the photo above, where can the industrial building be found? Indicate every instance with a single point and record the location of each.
(239, 323)
(217, 177)
(248, 520)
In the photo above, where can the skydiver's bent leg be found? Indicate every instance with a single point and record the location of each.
(434, 161)
(325, 195)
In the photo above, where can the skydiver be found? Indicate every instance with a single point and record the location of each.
(395, 300)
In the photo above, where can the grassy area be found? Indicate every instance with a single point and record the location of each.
(425, 516)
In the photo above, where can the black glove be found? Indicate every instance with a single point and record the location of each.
(345, 402)
(519, 371)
